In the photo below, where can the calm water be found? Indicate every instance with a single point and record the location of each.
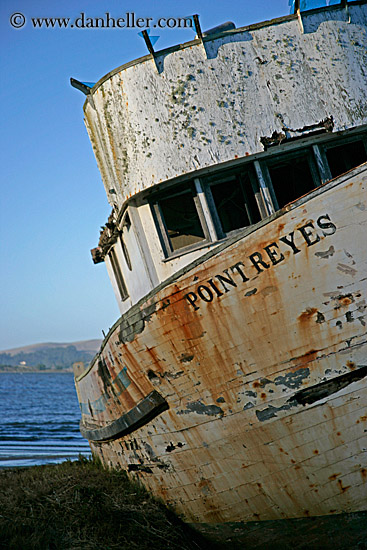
(39, 419)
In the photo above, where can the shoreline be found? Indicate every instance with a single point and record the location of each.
(45, 371)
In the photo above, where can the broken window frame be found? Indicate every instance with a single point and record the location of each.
(323, 147)
(158, 215)
(117, 272)
(264, 193)
(237, 175)
(321, 162)
(284, 157)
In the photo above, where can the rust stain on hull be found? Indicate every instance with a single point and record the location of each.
(250, 400)
(234, 385)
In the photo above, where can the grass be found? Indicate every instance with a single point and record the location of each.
(80, 505)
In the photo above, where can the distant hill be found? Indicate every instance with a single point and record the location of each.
(50, 355)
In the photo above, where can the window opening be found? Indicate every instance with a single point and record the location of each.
(180, 213)
(243, 196)
(126, 253)
(118, 275)
(291, 178)
(342, 158)
(235, 202)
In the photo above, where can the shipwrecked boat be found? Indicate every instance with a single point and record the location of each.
(234, 385)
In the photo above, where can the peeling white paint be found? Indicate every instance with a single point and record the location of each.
(205, 108)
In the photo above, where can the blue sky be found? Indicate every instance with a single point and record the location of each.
(52, 201)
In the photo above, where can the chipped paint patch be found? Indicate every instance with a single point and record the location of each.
(310, 311)
(293, 380)
(347, 269)
(271, 411)
(186, 358)
(200, 408)
(327, 254)
(134, 322)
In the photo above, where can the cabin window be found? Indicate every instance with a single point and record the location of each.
(181, 220)
(218, 204)
(342, 158)
(292, 177)
(126, 253)
(118, 275)
(233, 201)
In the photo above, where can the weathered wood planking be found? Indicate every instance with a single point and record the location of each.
(231, 344)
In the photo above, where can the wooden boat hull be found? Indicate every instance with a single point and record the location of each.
(236, 391)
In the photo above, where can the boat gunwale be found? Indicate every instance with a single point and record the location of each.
(223, 244)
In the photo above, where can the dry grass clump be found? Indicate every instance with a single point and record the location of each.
(81, 506)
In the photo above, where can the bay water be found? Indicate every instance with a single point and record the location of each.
(39, 419)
